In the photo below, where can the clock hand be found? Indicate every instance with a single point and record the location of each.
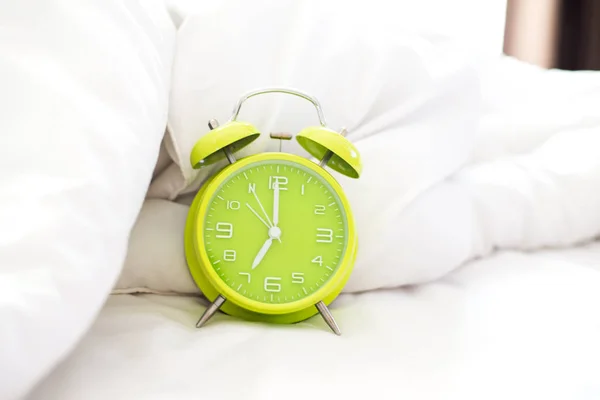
(262, 208)
(276, 203)
(257, 216)
(262, 252)
(261, 220)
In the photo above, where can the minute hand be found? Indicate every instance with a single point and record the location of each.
(262, 208)
(276, 204)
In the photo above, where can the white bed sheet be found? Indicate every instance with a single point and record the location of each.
(512, 326)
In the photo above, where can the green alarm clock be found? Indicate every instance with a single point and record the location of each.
(271, 237)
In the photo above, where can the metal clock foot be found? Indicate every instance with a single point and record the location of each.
(328, 317)
(210, 311)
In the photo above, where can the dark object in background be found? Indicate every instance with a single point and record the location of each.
(562, 34)
(578, 35)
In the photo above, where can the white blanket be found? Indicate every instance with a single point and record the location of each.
(83, 98)
(463, 154)
(480, 154)
(530, 179)
(513, 326)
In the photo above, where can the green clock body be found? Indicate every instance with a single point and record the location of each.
(272, 233)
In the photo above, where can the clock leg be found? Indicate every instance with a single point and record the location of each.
(328, 317)
(210, 311)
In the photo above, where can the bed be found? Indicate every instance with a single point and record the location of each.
(515, 325)
(478, 274)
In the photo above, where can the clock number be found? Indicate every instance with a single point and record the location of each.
(233, 205)
(281, 181)
(324, 235)
(297, 277)
(246, 274)
(226, 230)
(271, 284)
(319, 209)
(251, 187)
(302, 190)
(229, 255)
(318, 260)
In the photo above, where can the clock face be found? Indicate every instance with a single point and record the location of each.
(275, 231)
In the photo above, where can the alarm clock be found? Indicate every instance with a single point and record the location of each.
(271, 236)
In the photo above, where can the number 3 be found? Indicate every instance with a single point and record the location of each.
(324, 235)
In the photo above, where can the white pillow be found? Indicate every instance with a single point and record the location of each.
(547, 197)
(533, 183)
(84, 101)
(410, 104)
(155, 261)
(523, 105)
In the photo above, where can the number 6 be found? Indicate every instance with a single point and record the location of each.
(271, 286)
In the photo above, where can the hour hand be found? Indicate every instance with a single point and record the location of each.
(261, 253)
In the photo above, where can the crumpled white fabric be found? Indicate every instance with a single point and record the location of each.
(547, 198)
(516, 325)
(533, 181)
(408, 101)
(530, 181)
(463, 154)
(83, 100)
(410, 104)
